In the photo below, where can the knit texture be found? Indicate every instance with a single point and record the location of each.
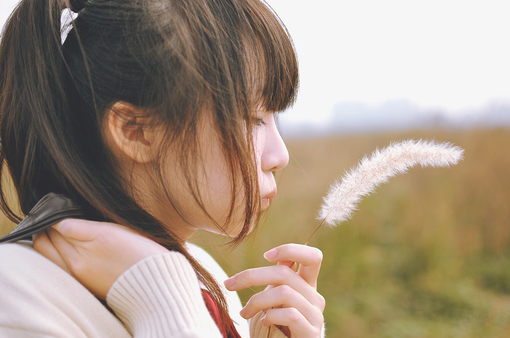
(153, 303)
(158, 297)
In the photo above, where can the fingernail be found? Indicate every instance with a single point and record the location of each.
(230, 282)
(263, 319)
(243, 312)
(271, 253)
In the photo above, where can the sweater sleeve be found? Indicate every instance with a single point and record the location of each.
(161, 297)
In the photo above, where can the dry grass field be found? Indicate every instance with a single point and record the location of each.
(426, 256)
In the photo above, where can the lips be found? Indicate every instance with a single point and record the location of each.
(266, 199)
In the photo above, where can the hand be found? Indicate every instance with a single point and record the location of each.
(291, 299)
(94, 253)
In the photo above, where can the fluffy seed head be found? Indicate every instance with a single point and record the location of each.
(345, 194)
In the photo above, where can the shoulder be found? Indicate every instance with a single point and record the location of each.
(20, 264)
(23, 248)
(38, 297)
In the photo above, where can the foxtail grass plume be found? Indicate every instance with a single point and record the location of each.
(344, 196)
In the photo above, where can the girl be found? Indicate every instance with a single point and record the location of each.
(158, 115)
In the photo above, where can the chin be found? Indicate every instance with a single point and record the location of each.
(232, 230)
(233, 233)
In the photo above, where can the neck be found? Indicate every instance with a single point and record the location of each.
(149, 196)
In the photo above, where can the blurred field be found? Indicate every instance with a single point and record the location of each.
(427, 256)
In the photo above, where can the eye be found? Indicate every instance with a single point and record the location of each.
(258, 121)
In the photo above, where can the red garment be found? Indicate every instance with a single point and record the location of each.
(229, 330)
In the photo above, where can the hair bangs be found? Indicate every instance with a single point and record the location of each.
(272, 66)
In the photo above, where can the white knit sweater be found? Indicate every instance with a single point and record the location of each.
(158, 297)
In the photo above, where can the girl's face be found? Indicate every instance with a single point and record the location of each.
(184, 215)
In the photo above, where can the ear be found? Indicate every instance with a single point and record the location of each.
(128, 130)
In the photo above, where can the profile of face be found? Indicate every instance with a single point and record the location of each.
(215, 183)
(138, 149)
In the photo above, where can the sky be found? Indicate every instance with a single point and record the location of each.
(451, 55)
(445, 54)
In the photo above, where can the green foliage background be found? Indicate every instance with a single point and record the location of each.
(426, 256)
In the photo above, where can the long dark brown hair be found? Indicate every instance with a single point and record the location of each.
(174, 59)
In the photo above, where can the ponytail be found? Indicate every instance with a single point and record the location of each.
(31, 95)
(77, 5)
(40, 128)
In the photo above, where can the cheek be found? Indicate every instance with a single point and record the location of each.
(216, 187)
(215, 182)
(213, 188)
(259, 144)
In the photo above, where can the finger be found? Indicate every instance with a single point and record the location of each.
(294, 320)
(78, 229)
(45, 247)
(289, 264)
(282, 296)
(272, 275)
(65, 249)
(309, 258)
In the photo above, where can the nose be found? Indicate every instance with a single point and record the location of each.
(275, 155)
